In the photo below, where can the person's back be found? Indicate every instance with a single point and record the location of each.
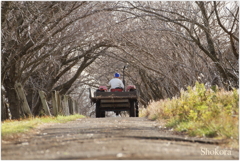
(116, 82)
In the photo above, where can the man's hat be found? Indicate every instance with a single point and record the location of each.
(117, 75)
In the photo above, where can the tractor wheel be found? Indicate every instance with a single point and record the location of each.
(97, 110)
(102, 113)
(137, 110)
(132, 109)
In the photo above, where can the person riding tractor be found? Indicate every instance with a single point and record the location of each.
(116, 83)
(116, 99)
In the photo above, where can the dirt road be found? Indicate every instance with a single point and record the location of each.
(112, 138)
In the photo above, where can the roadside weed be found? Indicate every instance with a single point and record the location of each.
(200, 112)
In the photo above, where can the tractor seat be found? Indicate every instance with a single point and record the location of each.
(118, 89)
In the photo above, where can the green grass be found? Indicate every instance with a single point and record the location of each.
(11, 127)
(200, 112)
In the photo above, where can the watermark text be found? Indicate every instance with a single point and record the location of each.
(215, 151)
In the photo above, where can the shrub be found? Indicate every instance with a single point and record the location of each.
(200, 112)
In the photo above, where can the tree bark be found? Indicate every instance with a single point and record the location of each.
(44, 103)
(4, 110)
(65, 105)
(71, 108)
(23, 100)
(55, 102)
(14, 103)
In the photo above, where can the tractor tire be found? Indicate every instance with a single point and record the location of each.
(132, 109)
(102, 113)
(137, 109)
(97, 110)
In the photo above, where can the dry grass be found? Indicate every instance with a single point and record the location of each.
(200, 112)
(14, 128)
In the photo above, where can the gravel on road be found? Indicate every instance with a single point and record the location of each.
(112, 138)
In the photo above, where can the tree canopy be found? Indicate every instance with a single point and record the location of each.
(68, 46)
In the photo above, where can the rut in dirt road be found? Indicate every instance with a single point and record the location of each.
(112, 138)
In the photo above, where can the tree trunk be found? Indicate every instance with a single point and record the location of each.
(70, 104)
(4, 110)
(55, 102)
(36, 110)
(44, 103)
(24, 104)
(11, 95)
(65, 105)
(76, 107)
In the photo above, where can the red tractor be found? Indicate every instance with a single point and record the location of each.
(116, 100)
